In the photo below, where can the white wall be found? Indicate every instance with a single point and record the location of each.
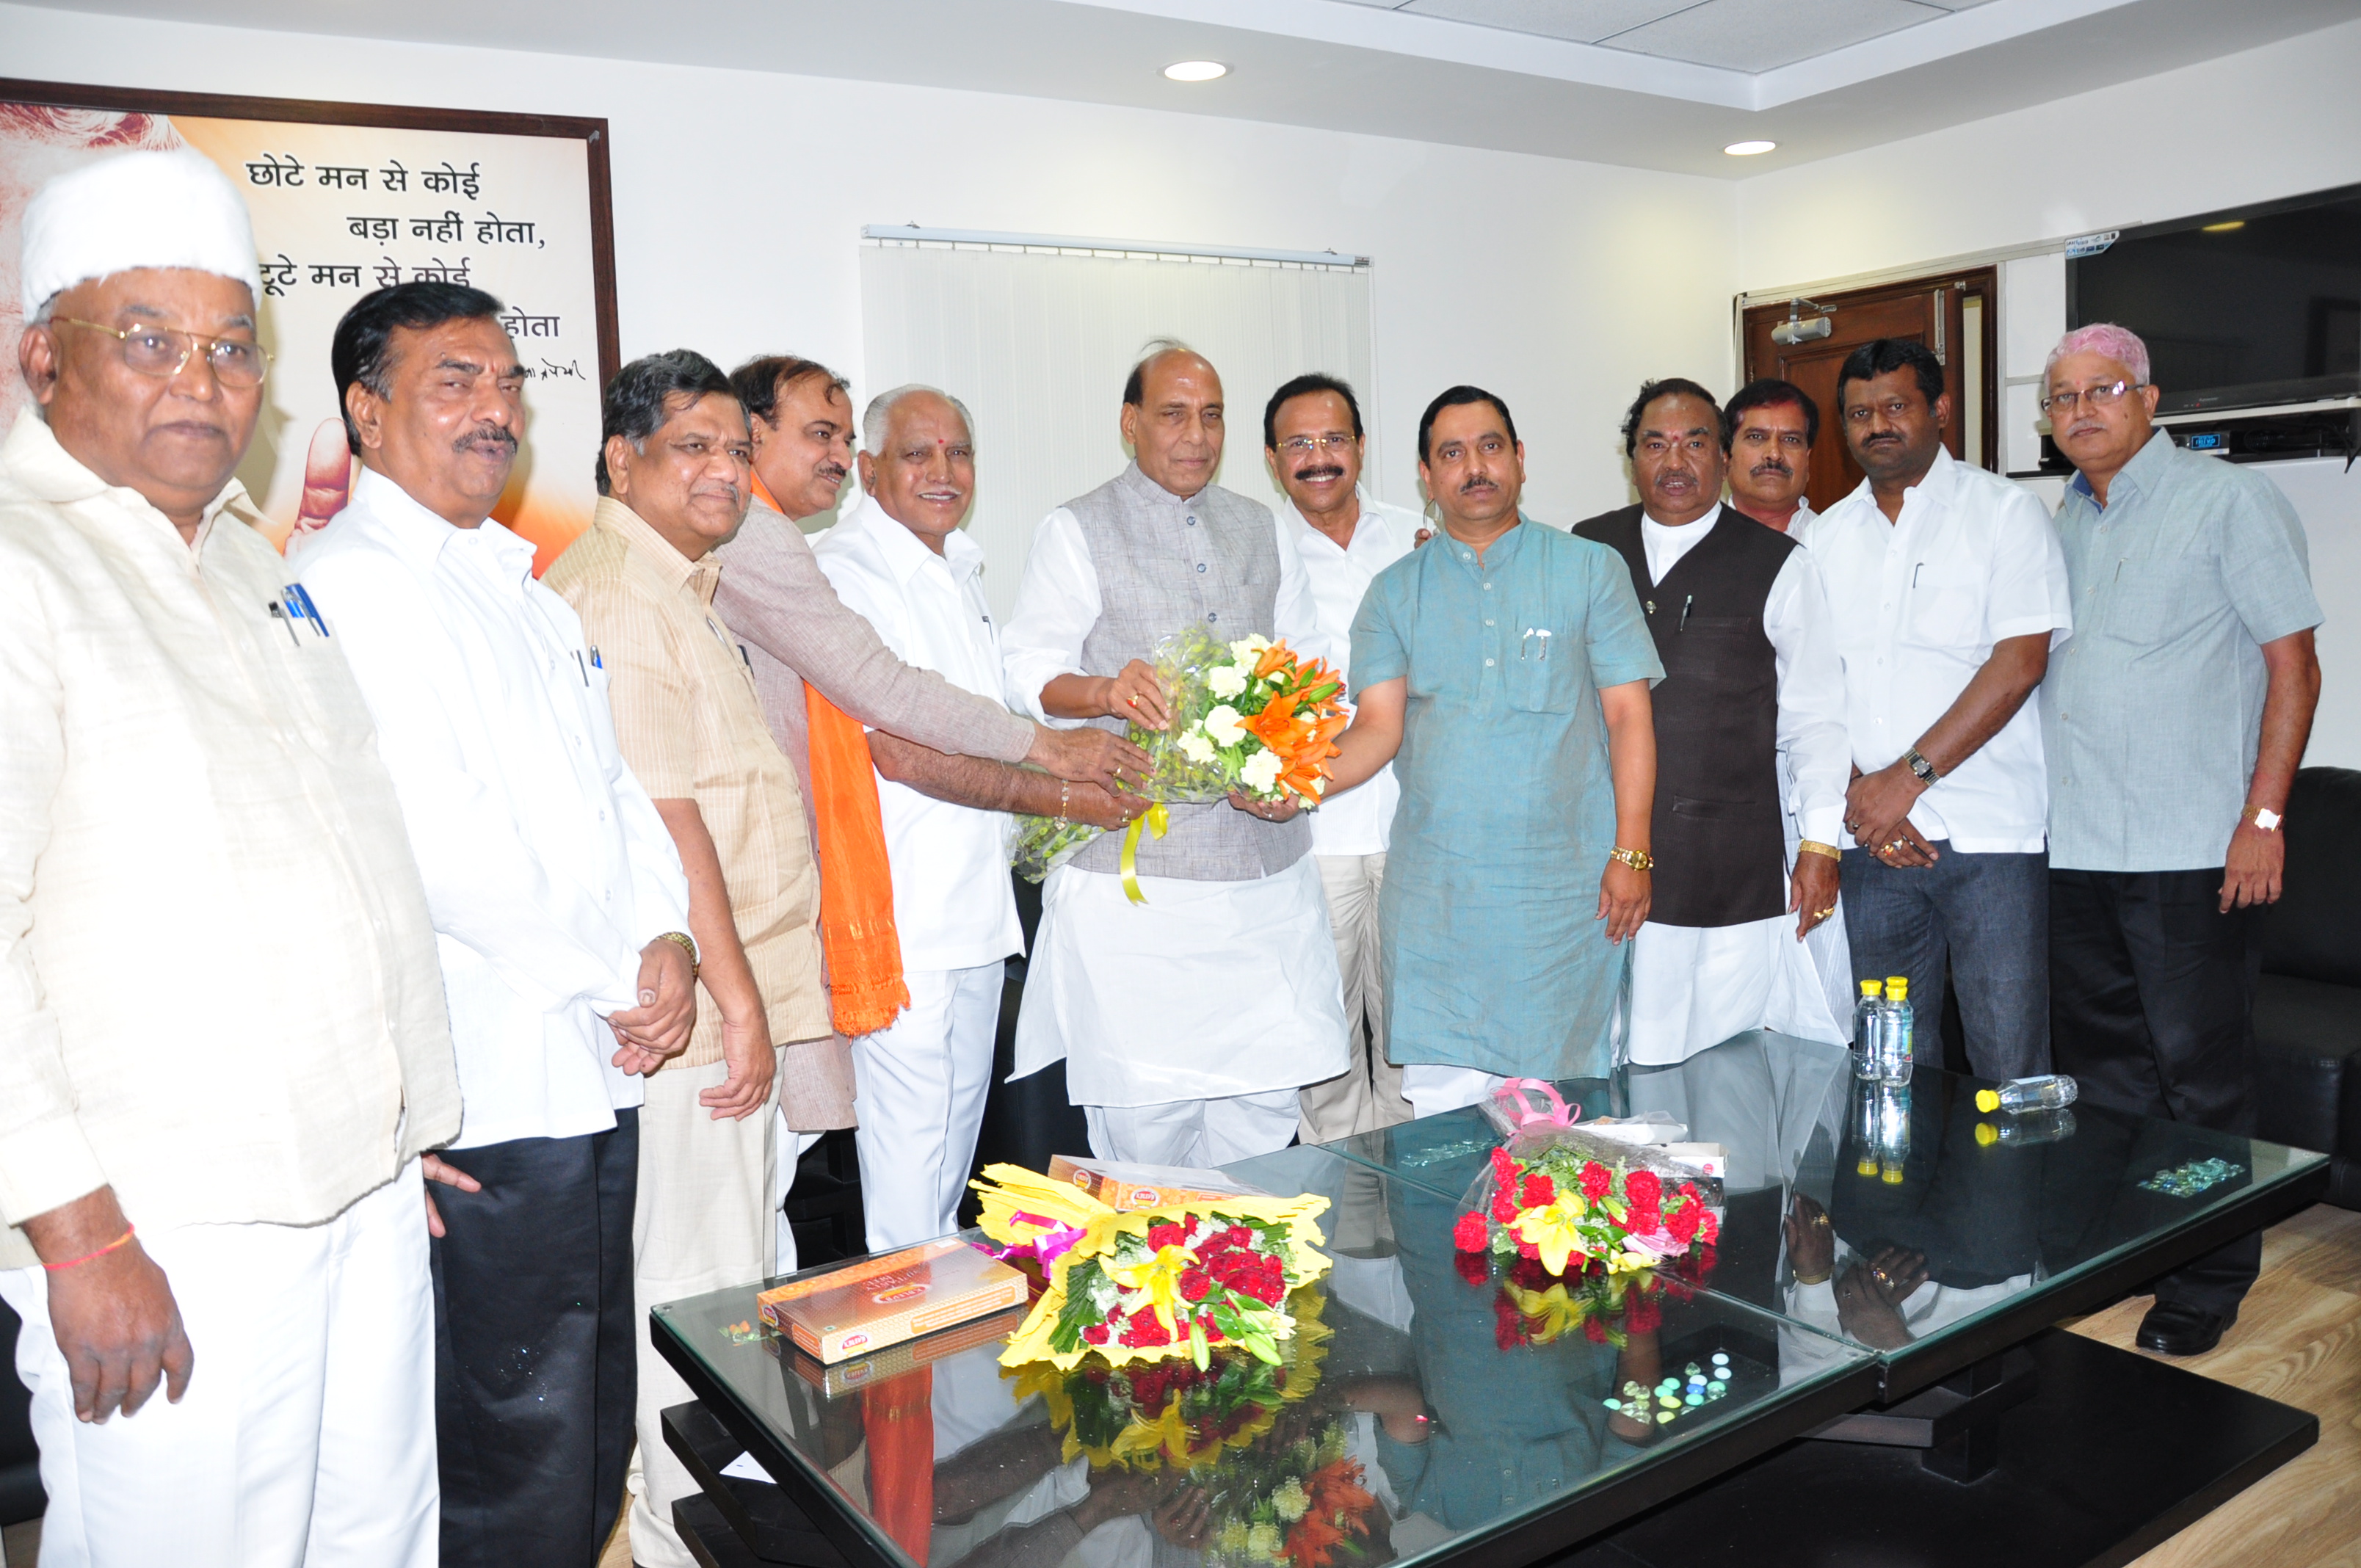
(739, 198)
(2275, 121)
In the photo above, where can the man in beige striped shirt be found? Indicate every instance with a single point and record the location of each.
(673, 476)
(220, 1014)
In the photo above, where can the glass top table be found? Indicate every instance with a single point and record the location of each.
(1903, 1221)
(1479, 1432)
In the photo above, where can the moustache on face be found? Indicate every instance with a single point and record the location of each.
(1772, 466)
(1309, 476)
(1477, 482)
(487, 433)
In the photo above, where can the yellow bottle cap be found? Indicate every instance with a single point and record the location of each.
(1891, 1176)
(1866, 1168)
(1987, 1101)
(1872, 987)
(1897, 987)
(1986, 1134)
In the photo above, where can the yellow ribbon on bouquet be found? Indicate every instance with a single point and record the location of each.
(1156, 819)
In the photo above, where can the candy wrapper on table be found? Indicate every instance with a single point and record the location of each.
(1572, 1200)
(1151, 1284)
(1249, 717)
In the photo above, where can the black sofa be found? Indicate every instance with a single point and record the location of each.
(2308, 1005)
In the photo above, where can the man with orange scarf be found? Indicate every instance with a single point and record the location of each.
(923, 730)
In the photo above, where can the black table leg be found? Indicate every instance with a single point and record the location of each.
(1955, 1425)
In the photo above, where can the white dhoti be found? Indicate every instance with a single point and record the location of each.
(921, 1087)
(307, 1432)
(1209, 992)
(1693, 987)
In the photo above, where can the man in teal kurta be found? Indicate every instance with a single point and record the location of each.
(1504, 669)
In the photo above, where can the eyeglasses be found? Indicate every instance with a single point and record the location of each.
(2090, 397)
(1305, 446)
(162, 351)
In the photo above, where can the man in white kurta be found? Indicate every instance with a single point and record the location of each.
(1187, 1022)
(221, 1021)
(560, 911)
(1313, 440)
(899, 558)
(1719, 955)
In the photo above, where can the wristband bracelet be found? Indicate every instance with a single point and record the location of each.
(1065, 789)
(687, 944)
(121, 1241)
(1814, 846)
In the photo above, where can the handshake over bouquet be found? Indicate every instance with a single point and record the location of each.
(1250, 716)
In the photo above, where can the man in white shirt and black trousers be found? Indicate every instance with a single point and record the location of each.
(1312, 438)
(560, 911)
(1951, 591)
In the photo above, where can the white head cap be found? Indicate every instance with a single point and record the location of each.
(133, 210)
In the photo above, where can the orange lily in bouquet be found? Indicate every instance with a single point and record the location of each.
(1250, 717)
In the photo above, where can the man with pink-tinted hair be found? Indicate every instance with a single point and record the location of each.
(2172, 723)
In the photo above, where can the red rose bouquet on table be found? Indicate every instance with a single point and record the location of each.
(1558, 1204)
(1150, 1283)
(1250, 717)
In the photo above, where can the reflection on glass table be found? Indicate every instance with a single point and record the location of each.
(1424, 1408)
(1897, 1218)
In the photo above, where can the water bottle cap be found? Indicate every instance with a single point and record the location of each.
(1987, 1100)
(1891, 1176)
(1872, 987)
(1866, 1168)
(1986, 1134)
(1897, 987)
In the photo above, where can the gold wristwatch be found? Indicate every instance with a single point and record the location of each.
(1638, 859)
(687, 944)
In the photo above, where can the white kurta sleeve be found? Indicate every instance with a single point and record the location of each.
(1796, 620)
(1056, 605)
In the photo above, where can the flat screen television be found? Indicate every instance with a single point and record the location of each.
(2243, 309)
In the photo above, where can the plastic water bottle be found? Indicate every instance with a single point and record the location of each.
(1868, 1018)
(2050, 1091)
(1894, 1052)
(2039, 1127)
(1892, 1132)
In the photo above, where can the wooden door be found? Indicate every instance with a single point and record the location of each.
(1951, 314)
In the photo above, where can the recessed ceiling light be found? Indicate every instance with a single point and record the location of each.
(2224, 228)
(1196, 70)
(1750, 148)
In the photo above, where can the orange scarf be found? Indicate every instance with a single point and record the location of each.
(897, 1417)
(856, 883)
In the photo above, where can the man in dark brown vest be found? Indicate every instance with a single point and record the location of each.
(1751, 670)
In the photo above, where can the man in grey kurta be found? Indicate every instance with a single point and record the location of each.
(2173, 725)
(1505, 669)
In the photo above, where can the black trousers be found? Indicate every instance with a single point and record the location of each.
(535, 1368)
(2151, 1008)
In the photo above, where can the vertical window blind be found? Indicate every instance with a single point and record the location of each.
(1036, 335)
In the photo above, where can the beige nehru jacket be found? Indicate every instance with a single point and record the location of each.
(218, 985)
(691, 728)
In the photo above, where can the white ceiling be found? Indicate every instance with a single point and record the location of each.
(1648, 83)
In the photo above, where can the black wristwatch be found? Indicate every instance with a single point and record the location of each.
(1921, 766)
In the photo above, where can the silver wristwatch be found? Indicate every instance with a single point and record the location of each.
(1921, 766)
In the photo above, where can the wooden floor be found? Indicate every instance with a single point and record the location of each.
(2297, 1340)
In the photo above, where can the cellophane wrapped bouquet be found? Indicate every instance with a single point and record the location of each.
(1251, 717)
(1570, 1199)
(1296, 1503)
(1151, 1284)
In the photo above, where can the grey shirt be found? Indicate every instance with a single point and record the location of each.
(2152, 715)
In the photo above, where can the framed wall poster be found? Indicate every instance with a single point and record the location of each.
(348, 198)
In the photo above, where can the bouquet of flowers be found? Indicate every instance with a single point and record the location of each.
(1291, 1505)
(1558, 1204)
(1144, 1285)
(1248, 716)
(1146, 1414)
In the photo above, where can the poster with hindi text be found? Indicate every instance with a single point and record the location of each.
(347, 199)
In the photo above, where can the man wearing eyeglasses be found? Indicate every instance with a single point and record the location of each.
(1311, 437)
(223, 1043)
(2173, 727)
(1952, 594)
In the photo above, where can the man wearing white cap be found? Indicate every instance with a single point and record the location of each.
(223, 1045)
